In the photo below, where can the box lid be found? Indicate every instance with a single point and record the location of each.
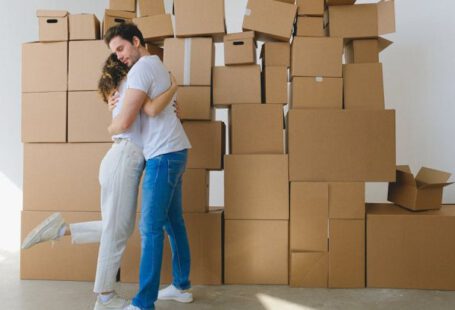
(51, 13)
(383, 44)
(123, 14)
(239, 36)
(386, 16)
(428, 177)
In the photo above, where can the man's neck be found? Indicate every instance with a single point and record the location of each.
(143, 51)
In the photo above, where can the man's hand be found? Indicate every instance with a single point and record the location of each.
(112, 101)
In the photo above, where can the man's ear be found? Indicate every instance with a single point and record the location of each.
(136, 41)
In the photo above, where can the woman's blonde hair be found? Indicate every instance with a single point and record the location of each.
(112, 75)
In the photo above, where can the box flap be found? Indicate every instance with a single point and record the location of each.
(383, 44)
(123, 14)
(386, 16)
(428, 176)
(239, 36)
(405, 176)
(51, 13)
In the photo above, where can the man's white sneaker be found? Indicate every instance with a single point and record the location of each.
(115, 303)
(48, 230)
(131, 307)
(173, 293)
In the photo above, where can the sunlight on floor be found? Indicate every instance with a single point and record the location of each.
(273, 303)
(11, 204)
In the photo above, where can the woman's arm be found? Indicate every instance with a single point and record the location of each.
(154, 107)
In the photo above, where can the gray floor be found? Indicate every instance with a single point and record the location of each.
(52, 295)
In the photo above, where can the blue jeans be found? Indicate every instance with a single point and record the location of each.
(162, 208)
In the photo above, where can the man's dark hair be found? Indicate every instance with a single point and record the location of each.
(126, 31)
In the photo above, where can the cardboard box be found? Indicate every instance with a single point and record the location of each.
(365, 51)
(205, 237)
(309, 269)
(275, 84)
(363, 86)
(123, 5)
(407, 249)
(236, 84)
(347, 200)
(340, 2)
(155, 28)
(256, 252)
(195, 191)
(256, 187)
(310, 7)
(346, 145)
(317, 57)
(84, 27)
(51, 61)
(155, 50)
(88, 118)
(250, 123)
(44, 117)
(276, 54)
(368, 20)
(309, 213)
(62, 177)
(151, 7)
(196, 18)
(422, 192)
(190, 60)
(317, 93)
(270, 19)
(239, 48)
(207, 144)
(61, 260)
(53, 25)
(115, 17)
(194, 103)
(86, 60)
(346, 253)
(310, 26)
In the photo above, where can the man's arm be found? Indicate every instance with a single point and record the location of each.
(132, 104)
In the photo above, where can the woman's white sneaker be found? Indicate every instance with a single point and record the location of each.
(115, 303)
(47, 230)
(173, 293)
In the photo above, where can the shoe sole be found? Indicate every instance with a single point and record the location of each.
(31, 238)
(182, 300)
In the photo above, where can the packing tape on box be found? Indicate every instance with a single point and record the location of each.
(319, 79)
(187, 63)
(247, 12)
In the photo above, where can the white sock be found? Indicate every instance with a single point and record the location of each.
(105, 297)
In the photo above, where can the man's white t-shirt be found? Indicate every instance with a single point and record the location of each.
(163, 133)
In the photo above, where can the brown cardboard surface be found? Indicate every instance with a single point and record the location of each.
(310, 26)
(194, 103)
(53, 25)
(346, 253)
(366, 50)
(347, 200)
(114, 17)
(256, 252)
(256, 187)
(44, 117)
(317, 93)
(275, 81)
(155, 28)
(155, 50)
(195, 191)
(123, 5)
(309, 269)
(62, 177)
(276, 54)
(84, 27)
(341, 145)
(151, 7)
(239, 48)
(311, 7)
(51, 61)
(407, 249)
(339, 2)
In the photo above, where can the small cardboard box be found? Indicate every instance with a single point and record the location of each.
(276, 54)
(317, 93)
(239, 48)
(317, 57)
(44, 67)
(275, 84)
(256, 252)
(270, 19)
(368, 20)
(88, 117)
(155, 28)
(341, 145)
(422, 192)
(194, 103)
(123, 5)
(310, 26)
(256, 187)
(311, 7)
(86, 60)
(195, 191)
(236, 84)
(84, 27)
(309, 269)
(53, 25)
(412, 250)
(196, 18)
(114, 17)
(365, 51)
(44, 117)
(363, 86)
(151, 7)
(62, 176)
(190, 60)
(207, 144)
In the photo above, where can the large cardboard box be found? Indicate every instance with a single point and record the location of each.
(365, 51)
(194, 103)
(256, 187)
(317, 57)
(250, 123)
(151, 7)
(123, 5)
(413, 250)
(62, 176)
(309, 269)
(44, 117)
(346, 253)
(236, 84)
(270, 19)
(207, 144)
(363, 86)
(368, 20)
(310, 26)
(88, 117)
(196, 18)
(53, 25)
(86, 60)
(275, 84)
(205, 237)
(50, 60)
(195, 191)
(341, 145)
(276, 54)
(317, 93)
(115, 17)
(60, 260)
(422, 192)
(155, 28)
(84, 27)
(347, 200)
(311, 7)
(239, 48)
(256, 252)
(190, 60)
